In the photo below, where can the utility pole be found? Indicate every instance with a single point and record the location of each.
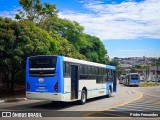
(157, 71)
(147, 69)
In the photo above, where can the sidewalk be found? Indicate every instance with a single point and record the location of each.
(6, 96)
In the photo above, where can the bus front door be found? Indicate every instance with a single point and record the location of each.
(74, 82)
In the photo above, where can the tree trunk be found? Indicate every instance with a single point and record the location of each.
(7, 79)
(7, 83)
(12, 82)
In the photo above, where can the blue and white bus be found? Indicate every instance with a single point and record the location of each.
(59, 78)
(132, 79)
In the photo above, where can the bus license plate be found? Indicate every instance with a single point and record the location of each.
(41, 87)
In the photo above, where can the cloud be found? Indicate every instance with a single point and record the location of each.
(9, 14)
(127, 20)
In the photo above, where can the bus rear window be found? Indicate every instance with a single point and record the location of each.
(42, 66)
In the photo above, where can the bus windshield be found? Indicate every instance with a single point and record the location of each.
(42, 66)
(135, 76)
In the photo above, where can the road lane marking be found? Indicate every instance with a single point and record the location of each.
(87, 115)
(118, 106)
(155, 105)
(111, 114)
(151, 95)
(137, 108)
(122, 104)
(129, 92)
(115, 106)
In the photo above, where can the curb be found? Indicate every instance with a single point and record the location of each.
(12, 100)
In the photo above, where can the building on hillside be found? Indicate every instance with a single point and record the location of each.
(154, 74)
(125, 66)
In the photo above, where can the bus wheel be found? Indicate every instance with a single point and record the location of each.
(83, 97)
(109, 93)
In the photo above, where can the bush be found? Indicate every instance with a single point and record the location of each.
(149, 84)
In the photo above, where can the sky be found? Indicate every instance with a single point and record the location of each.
(128, 28)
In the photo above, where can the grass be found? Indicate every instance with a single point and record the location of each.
(149, 84)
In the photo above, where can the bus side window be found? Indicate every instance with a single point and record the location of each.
(66, 69)
(84, 72)
(103, 75)
(97, 75)
(104, 72)
(81, 69)
(110, 76)
(85, 69)
(81, 72)
(97, 71)
(89, 70)
(100, 71)
(93, 72)
(107, 71)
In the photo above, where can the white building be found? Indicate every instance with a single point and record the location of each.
(154, 73)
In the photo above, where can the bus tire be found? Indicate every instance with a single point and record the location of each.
(109, 93)
(83, 97)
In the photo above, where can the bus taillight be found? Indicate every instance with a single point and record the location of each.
(28, 86)
(56, 87)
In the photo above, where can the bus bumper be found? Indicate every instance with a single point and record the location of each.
(134, 84)
(48, 96)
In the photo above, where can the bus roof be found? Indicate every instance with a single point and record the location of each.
(88, 63)
(111, 67)
(132, 74)
(80, 61)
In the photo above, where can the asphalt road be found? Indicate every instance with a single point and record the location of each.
(147, 103)
(125, 101)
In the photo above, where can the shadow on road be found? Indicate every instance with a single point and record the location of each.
(128, 85)
(48, 105)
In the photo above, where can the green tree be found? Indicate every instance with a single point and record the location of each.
(35, 11)
(113, 63)
(67, 49)
(55, 26)
(138, 66)
(93, 49)
(67, 29)
(133, 70)
(84, 45)
(89, 46)
(20, 40)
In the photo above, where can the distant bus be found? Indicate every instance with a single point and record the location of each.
(132, 79)
(121, 79)
(59, 78)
